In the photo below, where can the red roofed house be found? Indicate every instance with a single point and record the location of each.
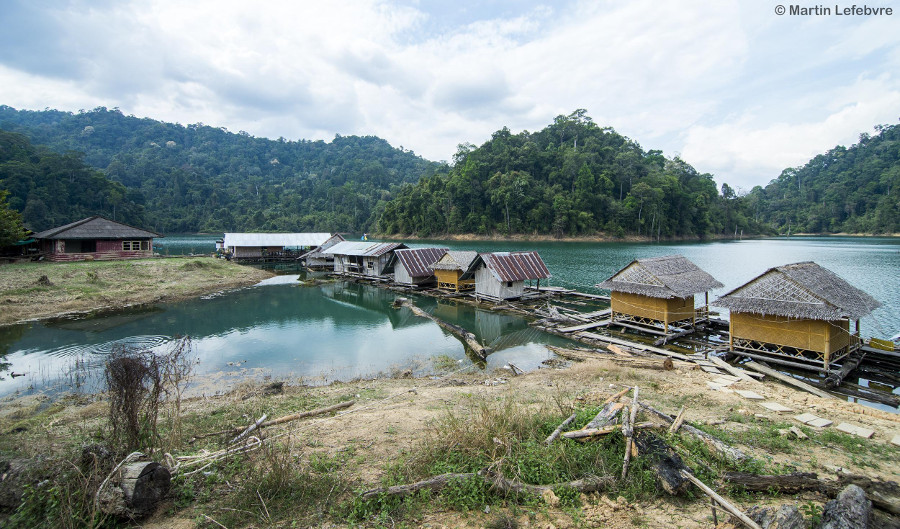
(413, 266)
(502, 275)
(96, 238)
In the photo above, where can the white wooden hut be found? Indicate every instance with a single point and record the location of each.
(413, 267)
(317, 260)
(364, 258)
(502, 275)
(255, 246)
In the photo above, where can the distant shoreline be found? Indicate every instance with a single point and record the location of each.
(604, 238)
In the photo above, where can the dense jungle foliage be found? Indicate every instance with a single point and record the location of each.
(199, 178)
(850, 190)
(572, 178)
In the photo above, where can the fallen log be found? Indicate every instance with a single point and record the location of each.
(607, 415)
(720, 447)
(785, 483)
(552, 437)
(463, 335)
(740, 373)
(249, 429)
(789, 380)
(834, 379)
(494, 480)
(606, 430)
(679, 419)
(667, 463)
(725, 504)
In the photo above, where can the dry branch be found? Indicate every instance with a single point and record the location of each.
(720, 447)
(721, 501)
(281, 420)
(629, 433)
(552, 437)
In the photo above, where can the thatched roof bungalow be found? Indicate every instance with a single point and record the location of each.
(800, 311)
(95, 238)
(372, 259)
(413, 266)
(657, 290)
(502, 275)
(455, 270)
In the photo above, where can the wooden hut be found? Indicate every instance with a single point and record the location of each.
(364, 258)
(797, 314)
(502, 275)
(652, 294)
(413, 267)
(315, 259)
(271, 246)
(95, 238)
(455, 271)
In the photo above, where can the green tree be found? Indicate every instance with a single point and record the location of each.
(11, 228)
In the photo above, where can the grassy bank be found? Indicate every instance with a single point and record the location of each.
(312, 472)
(31, 291)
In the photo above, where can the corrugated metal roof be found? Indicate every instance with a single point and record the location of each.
(275, 239)
(670, 276)
(515, 266)
(800, 290)
(361, 248)
(418, 261)
(96, 228)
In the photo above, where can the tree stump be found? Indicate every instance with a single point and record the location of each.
(850, 510)
(135, 490)
(784, 517)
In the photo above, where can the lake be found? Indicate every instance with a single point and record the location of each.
(340, 331)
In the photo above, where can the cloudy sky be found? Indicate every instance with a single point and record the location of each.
(732, 87)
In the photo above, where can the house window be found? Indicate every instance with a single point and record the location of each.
(370, 264)
(134, 246)
(509, 284)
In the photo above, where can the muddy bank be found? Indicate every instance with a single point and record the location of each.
(36, 291)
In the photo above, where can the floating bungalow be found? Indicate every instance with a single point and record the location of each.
(363, 258)
(502, 275)
(653, 294)
(455, 271)
(797, 314)
(95, 238)
(413, 267)
(315, 259)
(271, 246)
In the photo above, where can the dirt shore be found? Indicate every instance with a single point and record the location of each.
(35, 291)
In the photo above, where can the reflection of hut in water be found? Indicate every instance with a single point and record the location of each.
(375, 300)
(317, 260)
(656, 292)
(455, 271)
(502, 275)
(370, 259)
(413, 266)
(800, 312)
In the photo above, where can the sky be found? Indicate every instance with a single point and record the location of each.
(732, 87)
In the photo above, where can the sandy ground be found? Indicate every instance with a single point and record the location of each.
(377, 428)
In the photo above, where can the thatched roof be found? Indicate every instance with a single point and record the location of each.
(800, 290)
(515, 266)
(96, 228)
(455, 260)
(671, 276)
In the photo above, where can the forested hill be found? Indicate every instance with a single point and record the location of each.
(852, 190)
(200, 178)
(573, 178)
(52, 189)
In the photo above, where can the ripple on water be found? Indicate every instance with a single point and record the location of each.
(141, 342)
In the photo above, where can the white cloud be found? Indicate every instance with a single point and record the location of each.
(737, 90)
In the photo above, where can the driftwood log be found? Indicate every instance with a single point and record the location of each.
(666, 462)
(493, 479)
(584, 434)
(607, 415)
(720, 447)
(562, 426)
(135, 490)
(884, 495)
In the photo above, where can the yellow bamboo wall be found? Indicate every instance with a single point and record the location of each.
(451, 277)
(812, 335)
(671, 310)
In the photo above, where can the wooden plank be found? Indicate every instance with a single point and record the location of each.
(634, 345)
(584, 327)
(811, 420)
(747, 394)
(730, 368)
(711, 369)
(776, 407)
(639, 328)
(789, 380)
(859, 431)
(896, 440)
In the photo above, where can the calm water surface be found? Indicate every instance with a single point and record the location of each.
(339, 331)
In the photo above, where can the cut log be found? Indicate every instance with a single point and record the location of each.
(552, 437)
(667, 463)
(433, 483)
(789, 380)
(784, 517)
(676, 424)
(606, 430)
(250, 428)
(715, 445)
(607, 415)
(850, 510)
(850, 363)
(136, 490)
(628, 430)
(740, 373)
(785, 483)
